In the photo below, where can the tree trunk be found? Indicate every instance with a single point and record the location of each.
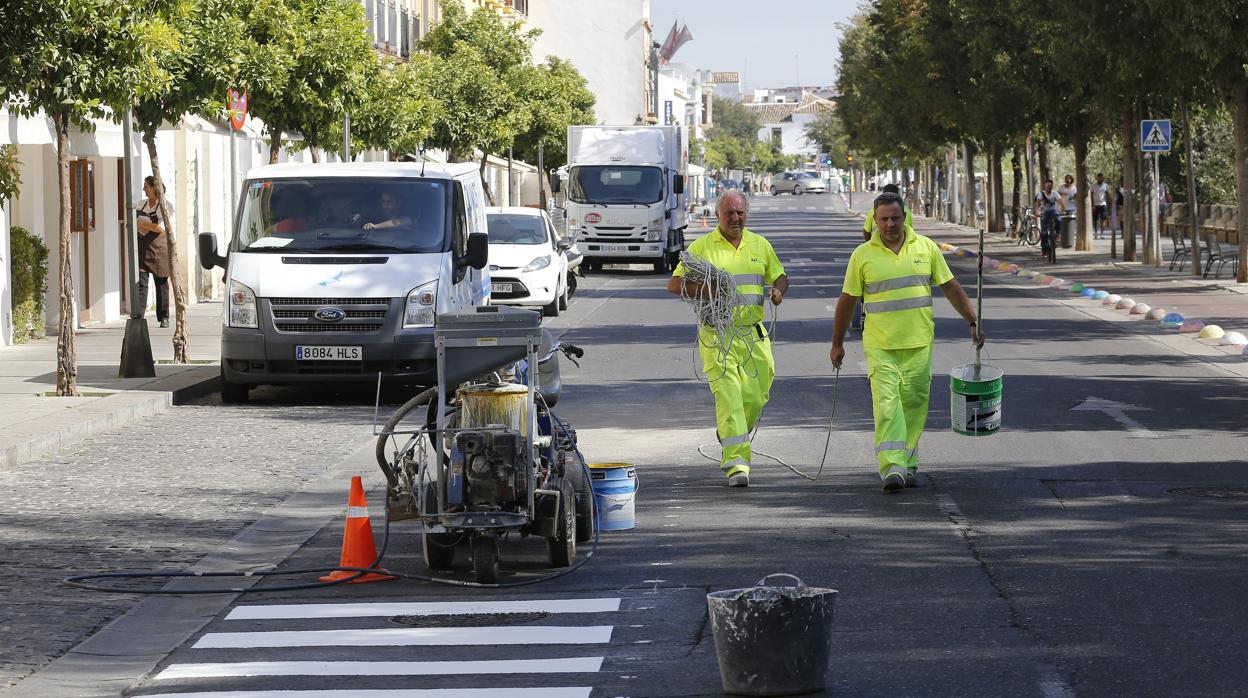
(315, 156)
(66, 358)
(1192, 204)
(1241, 177)
(275, 144)
(1046, 171)
(489, 195)
(1016, 163)
(998, 187)
(972, 213)
(932, 189)
(1083, 232)
(1127, 215)
(177, 279)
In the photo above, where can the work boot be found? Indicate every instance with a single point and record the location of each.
(739, 480)
(912, 478)
(894, 482)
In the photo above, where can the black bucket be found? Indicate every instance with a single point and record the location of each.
(772, 641)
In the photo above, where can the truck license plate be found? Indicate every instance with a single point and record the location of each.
(615, 248)
(321, 353)
(500, 288)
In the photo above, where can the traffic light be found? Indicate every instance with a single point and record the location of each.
(850, 157)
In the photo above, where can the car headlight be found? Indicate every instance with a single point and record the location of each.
(421, 306)
(539, 263)
(242, 306)
(654, 231)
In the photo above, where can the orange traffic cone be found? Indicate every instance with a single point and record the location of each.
(703, 221)
(358, 547)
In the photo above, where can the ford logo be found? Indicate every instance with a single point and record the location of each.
(329, 314)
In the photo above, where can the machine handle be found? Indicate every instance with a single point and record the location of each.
(800, 584)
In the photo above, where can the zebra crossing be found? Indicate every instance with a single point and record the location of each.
(459, 649)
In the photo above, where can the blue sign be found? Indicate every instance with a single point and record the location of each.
(1155, 135)
(667, 113)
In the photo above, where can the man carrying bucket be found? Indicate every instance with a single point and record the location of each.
(740, 379)
(893, 274)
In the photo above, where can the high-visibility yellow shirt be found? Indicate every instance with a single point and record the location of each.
(753, 265)
(896, 289)
(868, 226)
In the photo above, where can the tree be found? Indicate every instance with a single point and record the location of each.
(734, 120)
(397, 111)
(70, 59)
(828, 133)
(557, 97)
(192, 49)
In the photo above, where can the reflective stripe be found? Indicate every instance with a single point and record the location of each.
(895, 470)
(743, 439)
(903, 304)
(357, 512)
(890, 446)
(900, 282)
(734, 463)
(748, 279)
(750, 299)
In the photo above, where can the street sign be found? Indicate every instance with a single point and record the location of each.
(237, 108)
(667, 113)
(1155, 135)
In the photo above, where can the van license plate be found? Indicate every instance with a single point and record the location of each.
(500, 288)
(319, 353)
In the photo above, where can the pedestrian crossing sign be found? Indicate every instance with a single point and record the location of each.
(1155, 135)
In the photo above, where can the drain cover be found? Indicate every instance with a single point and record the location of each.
(1212, 492)
(461, 620)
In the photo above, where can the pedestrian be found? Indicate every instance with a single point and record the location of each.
(1100, 205)
(740, 379)
(868, 227)
(1068, 191)
(154, 250)
(1047, 204)
(893, 274)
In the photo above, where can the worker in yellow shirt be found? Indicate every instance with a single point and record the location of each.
(892, 274)
(740, 379)
(868, 227)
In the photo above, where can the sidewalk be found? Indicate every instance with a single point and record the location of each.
(1219, 302)
(34, 422)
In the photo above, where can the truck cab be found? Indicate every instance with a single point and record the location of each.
(335, 272)
(625, 198)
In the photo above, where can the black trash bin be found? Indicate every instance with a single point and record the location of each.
(1068, 232)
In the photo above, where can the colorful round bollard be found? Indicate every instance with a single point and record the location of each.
(1045, 280)
(1033, 274)
(1156, 313)
(1126, 304)
(1100, 295)
(1172, 321)
(1088, 292)
(1234, 339)
(1211, 332)
(1057, 283)
(1018, 271)
(1111, 299)
(1191, 325)
(1076, 287)
(1141, 309)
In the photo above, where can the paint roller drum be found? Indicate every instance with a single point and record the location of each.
(975, 399)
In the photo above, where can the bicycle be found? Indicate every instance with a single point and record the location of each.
(1028, 229)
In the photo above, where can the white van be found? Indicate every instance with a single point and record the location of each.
(335, 272)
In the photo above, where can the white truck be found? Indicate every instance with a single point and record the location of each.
(625, 199)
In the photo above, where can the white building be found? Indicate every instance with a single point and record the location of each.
(784, 121)
(685, 98)
(609, 43)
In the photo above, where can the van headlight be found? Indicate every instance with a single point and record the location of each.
(242, 306)
(539, 263)
(654, 231)
(421, 304)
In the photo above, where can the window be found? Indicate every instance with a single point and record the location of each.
(517, 229)
(615, 184)
(81, 196)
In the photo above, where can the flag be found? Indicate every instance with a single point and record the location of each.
(675, 40)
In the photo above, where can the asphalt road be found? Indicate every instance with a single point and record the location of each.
(1094, 551)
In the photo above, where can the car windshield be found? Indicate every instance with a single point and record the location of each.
(327, 215)
(807, 175)
(516, 229)
(615, 184)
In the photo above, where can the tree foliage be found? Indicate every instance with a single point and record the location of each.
(558, 97)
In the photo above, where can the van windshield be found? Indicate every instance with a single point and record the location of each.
(329, 215)
(615, 184)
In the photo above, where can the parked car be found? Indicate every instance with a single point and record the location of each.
(528, 259)
(797, 183)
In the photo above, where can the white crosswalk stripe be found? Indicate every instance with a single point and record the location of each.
(309, 651)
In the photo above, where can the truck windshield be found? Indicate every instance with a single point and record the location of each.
(327, 215)
(615, 184)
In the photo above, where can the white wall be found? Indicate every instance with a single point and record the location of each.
(792, 135)
(6, 292)
(606, 41)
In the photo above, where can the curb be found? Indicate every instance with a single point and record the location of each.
(111, 412)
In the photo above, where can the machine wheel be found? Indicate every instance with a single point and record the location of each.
(773, 190)
(562, 546)
(233, 393)
(485, 559)
(438, 548)
(584, 510)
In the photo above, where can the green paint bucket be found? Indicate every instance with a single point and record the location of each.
(975, 399)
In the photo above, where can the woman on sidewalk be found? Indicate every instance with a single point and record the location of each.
(153, 251)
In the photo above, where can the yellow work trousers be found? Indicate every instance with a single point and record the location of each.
(740, 383)
(901, 383)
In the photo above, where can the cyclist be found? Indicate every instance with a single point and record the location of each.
(1050, 226)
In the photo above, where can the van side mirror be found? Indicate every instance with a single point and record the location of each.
(678, 184)
(478, 250)
(208, 257)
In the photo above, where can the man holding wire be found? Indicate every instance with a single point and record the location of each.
(893, 273)
(737, 357)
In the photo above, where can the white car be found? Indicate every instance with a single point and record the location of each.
(528, 259)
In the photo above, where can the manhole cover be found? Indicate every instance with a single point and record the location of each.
(1212, 492)
(456, 620)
